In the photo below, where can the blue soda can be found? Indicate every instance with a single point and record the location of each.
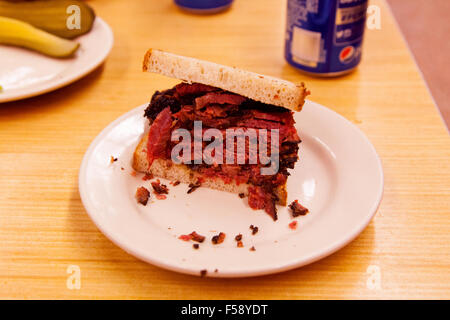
(324, 37)
(204, 6)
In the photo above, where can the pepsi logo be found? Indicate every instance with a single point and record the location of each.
(347, 54)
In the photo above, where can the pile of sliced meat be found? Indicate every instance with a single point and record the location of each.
(180, 106)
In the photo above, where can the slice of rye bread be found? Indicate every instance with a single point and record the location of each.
(166, 169)
(255, 86)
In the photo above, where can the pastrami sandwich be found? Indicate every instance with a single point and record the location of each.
(217, 106)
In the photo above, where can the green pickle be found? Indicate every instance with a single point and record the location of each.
(64, 18)
(18, 33)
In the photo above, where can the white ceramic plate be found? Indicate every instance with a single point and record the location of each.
(24, 73)
(338, 177)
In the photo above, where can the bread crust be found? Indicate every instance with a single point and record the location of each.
(255, 86)
(167, 170)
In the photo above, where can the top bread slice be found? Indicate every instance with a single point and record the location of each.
(255, 86)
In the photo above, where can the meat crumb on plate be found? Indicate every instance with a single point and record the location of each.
(293, 225)
(297, 209)
(142, 195)
(197, 237)
(159, 188)
(218, 239)
(194, 186)
(147, 176)
(185, 237)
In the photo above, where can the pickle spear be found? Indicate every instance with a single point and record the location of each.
(18, 33)
(63, 18)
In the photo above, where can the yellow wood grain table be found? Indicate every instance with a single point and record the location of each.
(44, 228)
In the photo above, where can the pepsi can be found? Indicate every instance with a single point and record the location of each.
(204, 6)
(324, 37)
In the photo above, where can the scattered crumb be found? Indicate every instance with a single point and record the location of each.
(194, 186)
(242, 195)
(197, 237)
(142, 195)
(121, 168)
(238, 237)
(169, 228)
(112, 160)
(159, 188)
(133, 173)
(253, 248)
(203, 272)
(160, 196)
(196, 246)
(293, 225)
(176, 183)
(147, 176)
(297, 209)
(218, 239)
(254, 229)
(240, 244)
(216, 270)
(185, 237)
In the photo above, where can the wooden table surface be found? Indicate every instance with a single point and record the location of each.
(44, 229)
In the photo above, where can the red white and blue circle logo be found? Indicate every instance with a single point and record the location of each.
(347, 54)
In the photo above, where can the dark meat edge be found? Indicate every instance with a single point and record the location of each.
(170, 98)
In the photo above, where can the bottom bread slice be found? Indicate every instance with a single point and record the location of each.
(166, 169)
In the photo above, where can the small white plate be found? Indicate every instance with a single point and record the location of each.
(338, 177)
(25, 73)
